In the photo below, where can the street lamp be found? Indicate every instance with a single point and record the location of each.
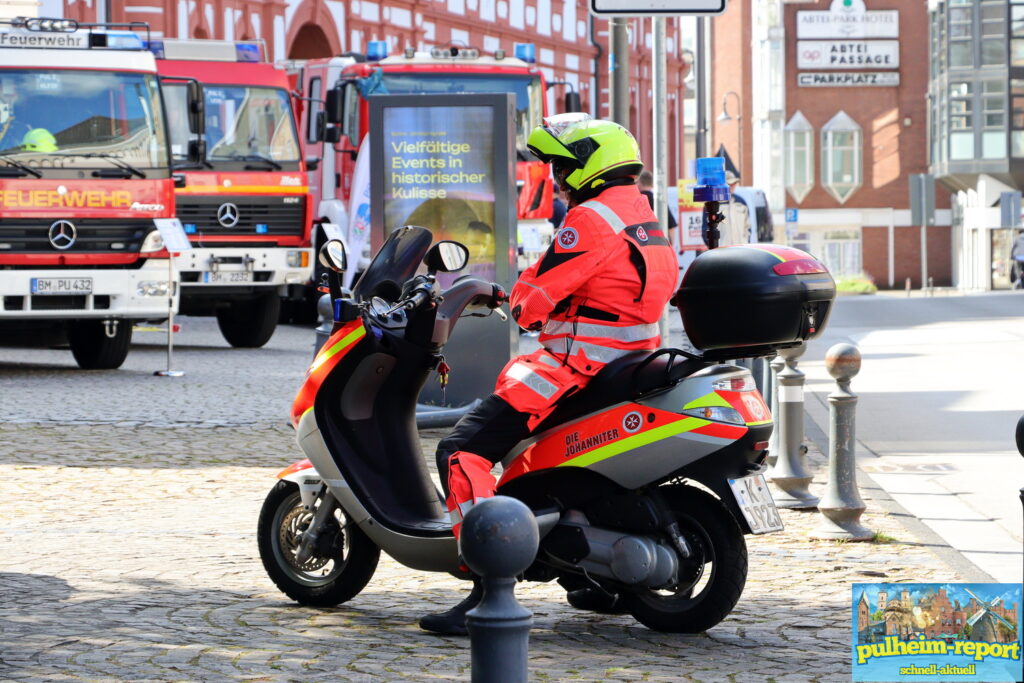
(724, 116)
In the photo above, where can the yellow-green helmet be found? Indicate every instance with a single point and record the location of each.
(595, 150)
(39, 140)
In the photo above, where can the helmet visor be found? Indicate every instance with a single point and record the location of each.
(547, 147)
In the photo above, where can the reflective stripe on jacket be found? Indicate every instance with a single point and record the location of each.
(599, 290)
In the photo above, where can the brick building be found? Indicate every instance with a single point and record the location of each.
(833, 96)
(571, 45)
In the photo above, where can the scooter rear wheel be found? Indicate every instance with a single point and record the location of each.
(710, 581)
(341, 565)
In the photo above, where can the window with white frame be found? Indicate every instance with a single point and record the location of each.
(842, 157)
(799, 137)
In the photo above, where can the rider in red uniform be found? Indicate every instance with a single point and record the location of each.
(595, 296)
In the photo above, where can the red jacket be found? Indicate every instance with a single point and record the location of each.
(601, 287)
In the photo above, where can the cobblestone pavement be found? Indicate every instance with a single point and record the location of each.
(221, 386)
(128, 553)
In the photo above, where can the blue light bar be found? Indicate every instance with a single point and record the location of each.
(190, 228)
(261, 228)
(711, 185)
(247, 52)
(526, 52)
(376, 50)
(124, 40)
(156, 47)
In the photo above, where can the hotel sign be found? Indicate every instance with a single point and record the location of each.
(848, 54)
(848, 19)
(848, 79)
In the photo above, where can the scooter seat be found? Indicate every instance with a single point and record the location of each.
(625, 379)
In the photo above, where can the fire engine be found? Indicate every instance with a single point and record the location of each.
(84, 178)
(441, 70)
(244, 204)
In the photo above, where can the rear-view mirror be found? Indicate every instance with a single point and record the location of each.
(332, 135)
(196, 108)
(446, 256)
(196, 151)
(332, 256)
(334, 107)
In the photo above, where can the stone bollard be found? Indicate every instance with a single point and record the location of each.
(774, 368)
(789, 473)
(842, 505)
(325, 307)
(499, 541)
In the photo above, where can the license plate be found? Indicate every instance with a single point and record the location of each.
(61, 285)
(223, 277)
(755, 500)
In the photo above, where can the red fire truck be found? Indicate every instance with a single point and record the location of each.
(84, 176)
(244, 204)
(441, 70)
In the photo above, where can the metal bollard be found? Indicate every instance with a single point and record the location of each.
(842, 505)
(325, 307)
(908, 286)
(499, 540)
(789, 474)
(774, 368)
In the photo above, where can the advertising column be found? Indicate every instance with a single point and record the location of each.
(447, 163)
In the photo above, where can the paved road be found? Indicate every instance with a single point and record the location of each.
(128, 553)
(222, 385)
(940, 393)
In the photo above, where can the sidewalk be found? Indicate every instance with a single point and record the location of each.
(135, 559)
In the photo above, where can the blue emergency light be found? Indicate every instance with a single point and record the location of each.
(248, 52)
(190, 228)
(526, 52)
(711, 185)
(376, 50)
(124, 40)
(261, 228)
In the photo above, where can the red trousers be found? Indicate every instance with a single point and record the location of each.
(527, 391)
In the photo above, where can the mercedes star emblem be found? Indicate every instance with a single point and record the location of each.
(63, 235)
(227, 215)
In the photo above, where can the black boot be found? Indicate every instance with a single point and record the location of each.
(596, 600)
(453, 621)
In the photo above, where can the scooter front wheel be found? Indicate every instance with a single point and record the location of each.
(341, 564)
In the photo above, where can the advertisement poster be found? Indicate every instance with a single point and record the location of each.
(936, 632)
(439, 173)
(691, 214)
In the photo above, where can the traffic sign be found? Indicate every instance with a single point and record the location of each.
(669, 8)
(792, 215)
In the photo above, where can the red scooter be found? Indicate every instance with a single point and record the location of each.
(643, 484)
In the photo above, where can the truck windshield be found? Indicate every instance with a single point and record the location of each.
(60, 119)
(529, 96)
(242, 123)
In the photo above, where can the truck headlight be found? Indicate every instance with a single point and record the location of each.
(298, 259)
(152, 288)
(153, 242)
